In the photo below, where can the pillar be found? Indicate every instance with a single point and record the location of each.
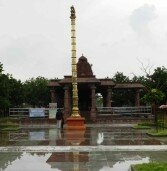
(108, 98)
(66, 102)
(70, 100)
(53, 95)
(93, 103)
(104, 99)
(137, 98)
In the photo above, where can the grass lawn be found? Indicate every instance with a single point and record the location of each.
(8, 122)
(147, 124)
(159, 133)
(149, 167)
(7, 125)
(141, 127)
(10, 129)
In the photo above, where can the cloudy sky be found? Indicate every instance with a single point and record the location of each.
(113, 34)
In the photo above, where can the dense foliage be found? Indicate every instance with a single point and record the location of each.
(14, 93)
(37, 92)
(123, 97)
(156, 86)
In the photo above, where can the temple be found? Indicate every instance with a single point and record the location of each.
(88, 87)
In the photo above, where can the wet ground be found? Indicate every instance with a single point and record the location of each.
(99, 147)
(91, 137)
(77, 161)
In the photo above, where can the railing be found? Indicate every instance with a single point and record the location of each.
(24, 112)
(132, 111)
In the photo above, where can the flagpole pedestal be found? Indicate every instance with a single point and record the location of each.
(75, 123)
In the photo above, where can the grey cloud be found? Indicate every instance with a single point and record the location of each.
(141, 17)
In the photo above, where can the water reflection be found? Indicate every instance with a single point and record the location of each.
(100, 138)
(77, 161)
(69, 160)
(36, 135)
(6, 159)
(92, 136)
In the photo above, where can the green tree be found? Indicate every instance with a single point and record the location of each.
(122, 97)
(11, 92)
(159, 80)
(119, 77)
(1, 68)
(4, 92)
(139, 79)
(16, 92)
(153, 96)
(37, 92)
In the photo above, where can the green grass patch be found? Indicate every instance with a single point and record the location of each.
(9, 120)
(147, 124)
(9, 124)
(10, 129)
(159, 133)
(141, 127)
(149, 167)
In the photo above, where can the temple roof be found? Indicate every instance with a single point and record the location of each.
(85, 75)
(129, 85)
(53, 83)
(68, 79)
(84, 69)
(107, 82)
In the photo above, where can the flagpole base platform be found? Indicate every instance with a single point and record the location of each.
(75, 123)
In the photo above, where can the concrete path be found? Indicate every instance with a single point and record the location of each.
(82, 148)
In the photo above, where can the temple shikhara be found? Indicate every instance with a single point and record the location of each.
(88, 87)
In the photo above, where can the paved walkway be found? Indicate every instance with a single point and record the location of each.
(82, 148)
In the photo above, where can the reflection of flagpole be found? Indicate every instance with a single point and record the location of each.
(76, 161)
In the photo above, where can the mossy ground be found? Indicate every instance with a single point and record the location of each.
(149, 167)
(141, 127)
(158, 133)
(6, 124)
(10, 129)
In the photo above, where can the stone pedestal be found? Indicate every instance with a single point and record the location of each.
(75, 123)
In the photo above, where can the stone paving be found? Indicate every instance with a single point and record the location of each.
(100, 147)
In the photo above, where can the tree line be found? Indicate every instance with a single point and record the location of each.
(35, 91)
(15, 93)
(154, 94)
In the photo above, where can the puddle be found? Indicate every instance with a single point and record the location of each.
(77, 161)
(92, 136)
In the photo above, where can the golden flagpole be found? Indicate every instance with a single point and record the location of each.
(75, 122)
(75, 110)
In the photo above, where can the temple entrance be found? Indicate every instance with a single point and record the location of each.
(99, 100)
(84, 102)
